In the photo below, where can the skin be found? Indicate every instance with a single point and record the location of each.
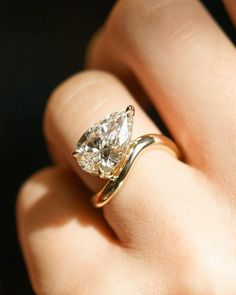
(171, 230)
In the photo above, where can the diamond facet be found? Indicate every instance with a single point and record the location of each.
(101, 147)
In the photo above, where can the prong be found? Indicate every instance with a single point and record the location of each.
(130, 110)
(74, 154)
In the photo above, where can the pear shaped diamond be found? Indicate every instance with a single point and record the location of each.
(102, 146)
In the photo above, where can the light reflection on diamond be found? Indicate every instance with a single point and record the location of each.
(104, 144)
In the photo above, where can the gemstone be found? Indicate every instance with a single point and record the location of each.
(102, 146)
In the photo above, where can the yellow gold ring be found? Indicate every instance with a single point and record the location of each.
(106, 150)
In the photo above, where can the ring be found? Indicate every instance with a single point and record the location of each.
(106, 150)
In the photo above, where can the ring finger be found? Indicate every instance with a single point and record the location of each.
(73, 108)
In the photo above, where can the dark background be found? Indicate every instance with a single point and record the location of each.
(41, 44)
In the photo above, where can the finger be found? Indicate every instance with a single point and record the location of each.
(155, 191)
(79, 103)
(231, 8)
(64, 240)
(187, 66)
(72, 109)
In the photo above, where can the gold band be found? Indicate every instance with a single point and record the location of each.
(156, 140)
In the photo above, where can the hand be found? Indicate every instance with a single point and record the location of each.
(171, 230)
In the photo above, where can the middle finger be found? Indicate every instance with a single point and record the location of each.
(187, 66)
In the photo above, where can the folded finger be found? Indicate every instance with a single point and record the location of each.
(63, 239)
(187, 66)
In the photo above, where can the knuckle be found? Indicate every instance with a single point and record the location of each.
(132, 22)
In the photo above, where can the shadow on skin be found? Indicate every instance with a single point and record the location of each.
(55, 197)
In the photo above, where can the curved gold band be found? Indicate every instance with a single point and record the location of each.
(156, 140)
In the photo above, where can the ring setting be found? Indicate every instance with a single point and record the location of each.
(107, 150)
(102, 148)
